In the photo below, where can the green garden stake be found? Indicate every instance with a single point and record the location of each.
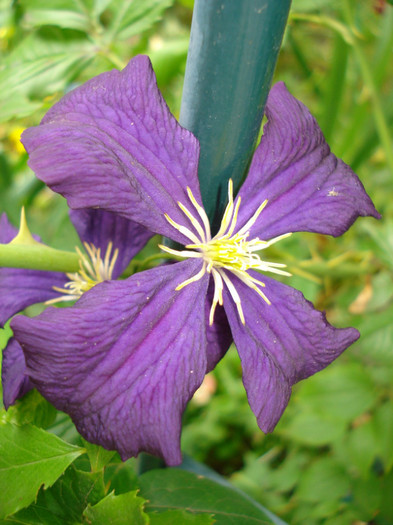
(233, 51)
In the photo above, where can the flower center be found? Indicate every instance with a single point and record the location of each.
(92, 270)
(226, 251)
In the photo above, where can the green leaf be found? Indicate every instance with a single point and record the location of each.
(45, 62)
(170, 517)
(63, 13)
(33, 408)
(120, 476)
(65, 501)
(29, 458)
(312, 5)
(174, 489)
(313, 428)
(340, 392)
(118, 510)
(99, 457)
(133, 18)
(325, 480)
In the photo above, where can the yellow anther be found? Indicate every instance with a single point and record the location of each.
(92, 270)
(227, 252)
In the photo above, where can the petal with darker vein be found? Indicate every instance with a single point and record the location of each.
(307, 187)
(280, 344)
(125, 359)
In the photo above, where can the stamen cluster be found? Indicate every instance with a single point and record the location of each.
(92, 270)
(226, 251)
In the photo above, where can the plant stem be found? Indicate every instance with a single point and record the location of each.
(38, 257)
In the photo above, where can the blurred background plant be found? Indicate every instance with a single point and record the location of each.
(330, 459)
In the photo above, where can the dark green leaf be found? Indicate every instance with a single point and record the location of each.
(177, 489)
(65, 501)
(29, 458)
(124, 509)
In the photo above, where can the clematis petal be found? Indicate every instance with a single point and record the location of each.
(218, 335)
(280, 344)
(20, 288)
(125, 359)
(112, 143)
(100, 227)
(14, 379)
(307, 187)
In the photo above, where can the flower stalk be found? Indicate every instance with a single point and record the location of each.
(38, 257)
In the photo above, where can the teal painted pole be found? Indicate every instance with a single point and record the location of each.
(233, 51)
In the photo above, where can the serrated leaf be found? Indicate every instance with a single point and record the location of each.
(313, 428)
(118, 510)
(120, 476)
(170, 517)
(133, 18)
(16, 105)
(324, 481)
(63, 13)
(305, 6)
(339, 392)
(170, 489)
(29, 458)
(65, 501)
(33, 408)
(72, 14)
(45, 62)
(99, 457)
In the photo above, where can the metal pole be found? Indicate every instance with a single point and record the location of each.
(233, 51)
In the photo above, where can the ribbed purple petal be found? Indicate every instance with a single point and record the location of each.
(101, 227)
(113, 144)
(125, 359)
(20, 288)
(280, 344)
(307, 187)
(219, 335)
(14, 380)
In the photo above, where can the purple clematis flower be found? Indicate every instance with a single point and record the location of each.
(101, 232)
(127, 357)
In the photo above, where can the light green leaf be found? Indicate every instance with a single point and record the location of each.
(16, 105)
(170, 517)
(174, 489)
(340, 392)
(118, 510)
(45, 62)
(33, 408)
(99, 457)
(325, 480)
(312, 5)
(29, 458)
(65, 501)
(133, 18)
(313, 429)
(72, 14)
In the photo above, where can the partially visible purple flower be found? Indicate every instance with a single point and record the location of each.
(20, 288)
(127, 357)
(14, 380)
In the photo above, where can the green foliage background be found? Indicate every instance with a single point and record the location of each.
(330, 459)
